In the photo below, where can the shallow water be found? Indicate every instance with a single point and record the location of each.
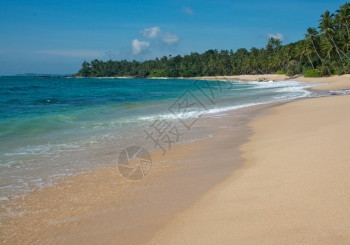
(55, 127)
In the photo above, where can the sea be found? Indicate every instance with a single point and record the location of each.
(51, 128)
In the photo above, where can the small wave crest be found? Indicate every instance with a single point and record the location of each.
(340, 92)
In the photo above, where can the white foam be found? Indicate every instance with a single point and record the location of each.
(4, 198)
(196, 114)
(272, 84)
(290, 89)
(80, 146)
(231, 108)
(342, 92)
(159, 78)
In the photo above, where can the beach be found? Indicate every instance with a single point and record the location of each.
(102, 206)
(211, 122)
(275, 173)
(334, 82)
(293, 187)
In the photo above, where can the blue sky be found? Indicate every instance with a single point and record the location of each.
(56, 36)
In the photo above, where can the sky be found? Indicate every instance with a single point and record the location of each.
(56, 36)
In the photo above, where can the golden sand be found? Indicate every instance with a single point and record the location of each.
(326, 83)
(265, 77)
(293, 188)
(103, 207)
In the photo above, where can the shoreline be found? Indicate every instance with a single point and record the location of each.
(79, 221)
(96, 201)
(292, 188)
(326, 83)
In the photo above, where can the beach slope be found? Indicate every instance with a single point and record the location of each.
(293, 189)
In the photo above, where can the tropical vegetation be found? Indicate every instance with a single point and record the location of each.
(324, 51)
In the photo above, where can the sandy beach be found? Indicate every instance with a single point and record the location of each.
(193, 125)
(327, 83)
(103, 207)
(271, 174)
(293, 187)
(246, 78)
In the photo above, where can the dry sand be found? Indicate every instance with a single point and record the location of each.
(265, 77)
(102, 207)
(294, 187)
(327, 83)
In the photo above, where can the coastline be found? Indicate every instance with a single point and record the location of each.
(293, 187)
(104, 206)
(326, 83)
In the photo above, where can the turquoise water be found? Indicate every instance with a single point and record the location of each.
(55, 127)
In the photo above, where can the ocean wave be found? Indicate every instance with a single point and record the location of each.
(196, 113)
(282, 90)
(275, 84)
(74, 139)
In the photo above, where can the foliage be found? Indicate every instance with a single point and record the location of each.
(293, 68)
(312, 73)
(326, 48)
(280, 72)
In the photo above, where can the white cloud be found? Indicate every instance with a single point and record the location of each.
(276, 36)
(170, 38)
(151, 32)
(72, 53)
(138, 46)
(187, 10)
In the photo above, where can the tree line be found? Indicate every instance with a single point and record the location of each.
(324, 51)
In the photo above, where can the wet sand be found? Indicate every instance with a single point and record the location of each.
(294, 186)
(103, 207)
(327, 83)
(205, 192)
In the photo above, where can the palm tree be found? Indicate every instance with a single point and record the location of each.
(303, 50)
(327, 28)
(286, 56)
(346, 45)
(343, 17)
(343, 20)
(309, 36)
(327, 48)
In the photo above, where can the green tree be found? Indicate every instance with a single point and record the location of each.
(327, 28)
(310, 36)
(343, 17)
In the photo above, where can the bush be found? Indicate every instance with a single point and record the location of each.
(347, 68)
(312, 73)
(293, 68)
(340, 71)
(280, 72)
(326, 68)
